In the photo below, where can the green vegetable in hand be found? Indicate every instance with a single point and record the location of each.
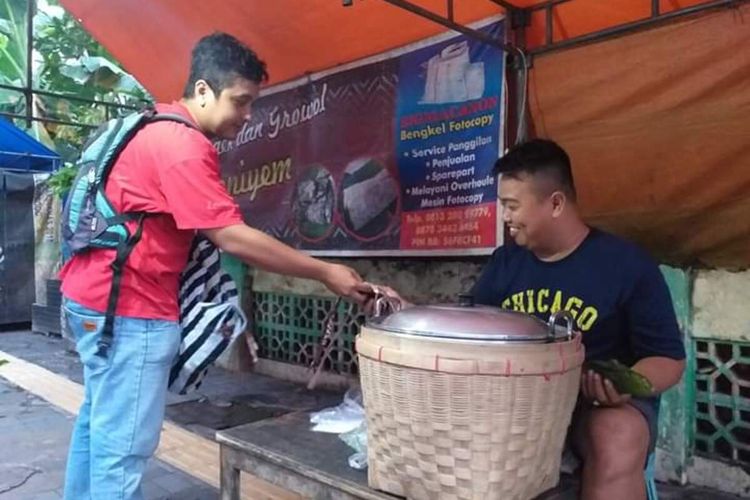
(625, 380)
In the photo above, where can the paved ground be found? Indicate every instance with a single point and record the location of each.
(34, 438)
(39, 432)
(34, 434)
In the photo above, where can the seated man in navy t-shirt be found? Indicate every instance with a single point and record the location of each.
(617, 295)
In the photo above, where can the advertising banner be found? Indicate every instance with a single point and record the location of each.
(392, 156)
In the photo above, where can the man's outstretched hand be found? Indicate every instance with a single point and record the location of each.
(345, 281)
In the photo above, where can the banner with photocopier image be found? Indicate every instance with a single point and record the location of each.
(391, 156)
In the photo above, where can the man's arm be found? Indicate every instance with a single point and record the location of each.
(662, 372)
(655, 339)
(260, 250)
(210, 205)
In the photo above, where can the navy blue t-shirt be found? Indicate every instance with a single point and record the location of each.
(613, 288)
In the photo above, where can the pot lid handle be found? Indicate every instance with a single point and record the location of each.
(384, 303)
(554, 317)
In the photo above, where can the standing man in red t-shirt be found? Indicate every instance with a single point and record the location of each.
(170, 171)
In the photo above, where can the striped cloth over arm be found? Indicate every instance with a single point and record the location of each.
(210, 315)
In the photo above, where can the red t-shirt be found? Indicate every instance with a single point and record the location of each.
(172, 170)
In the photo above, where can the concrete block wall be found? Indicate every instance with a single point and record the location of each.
(721, 305)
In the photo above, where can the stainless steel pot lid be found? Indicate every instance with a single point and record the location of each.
(466, 321)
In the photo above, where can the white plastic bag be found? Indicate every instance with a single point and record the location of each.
(348, 421)
(342, 418)
(357, 440)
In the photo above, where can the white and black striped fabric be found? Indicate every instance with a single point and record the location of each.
(210, 315)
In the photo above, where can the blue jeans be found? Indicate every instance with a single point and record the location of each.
(119, 423)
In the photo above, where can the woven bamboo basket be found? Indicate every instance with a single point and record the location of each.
(459, 420)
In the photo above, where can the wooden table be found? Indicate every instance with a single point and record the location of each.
(285, 452)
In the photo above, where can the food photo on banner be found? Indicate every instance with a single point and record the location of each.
(392, 155)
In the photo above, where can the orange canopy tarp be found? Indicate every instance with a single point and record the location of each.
(658, 129)
(655, 123)
(153, 38)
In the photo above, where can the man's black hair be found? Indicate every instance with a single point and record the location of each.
(542, 158)
(219, 59)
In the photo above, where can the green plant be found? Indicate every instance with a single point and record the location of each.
(12, 42)
(13, 15)
(61, 181)
(66, 60)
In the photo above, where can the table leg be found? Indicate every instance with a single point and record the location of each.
(230, 477)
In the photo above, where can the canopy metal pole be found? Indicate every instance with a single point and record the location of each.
(506, 5)
(448, 23)
(657, 17)
(548, 24)
(47, 120)
(520, 20)
(69, 97)
(30, 4)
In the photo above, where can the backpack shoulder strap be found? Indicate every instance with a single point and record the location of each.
(172, 117)
(149, 115)
(117, 265)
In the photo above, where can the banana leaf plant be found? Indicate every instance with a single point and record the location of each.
(66, 60)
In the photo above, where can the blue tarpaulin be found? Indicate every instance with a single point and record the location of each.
(20, 151)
